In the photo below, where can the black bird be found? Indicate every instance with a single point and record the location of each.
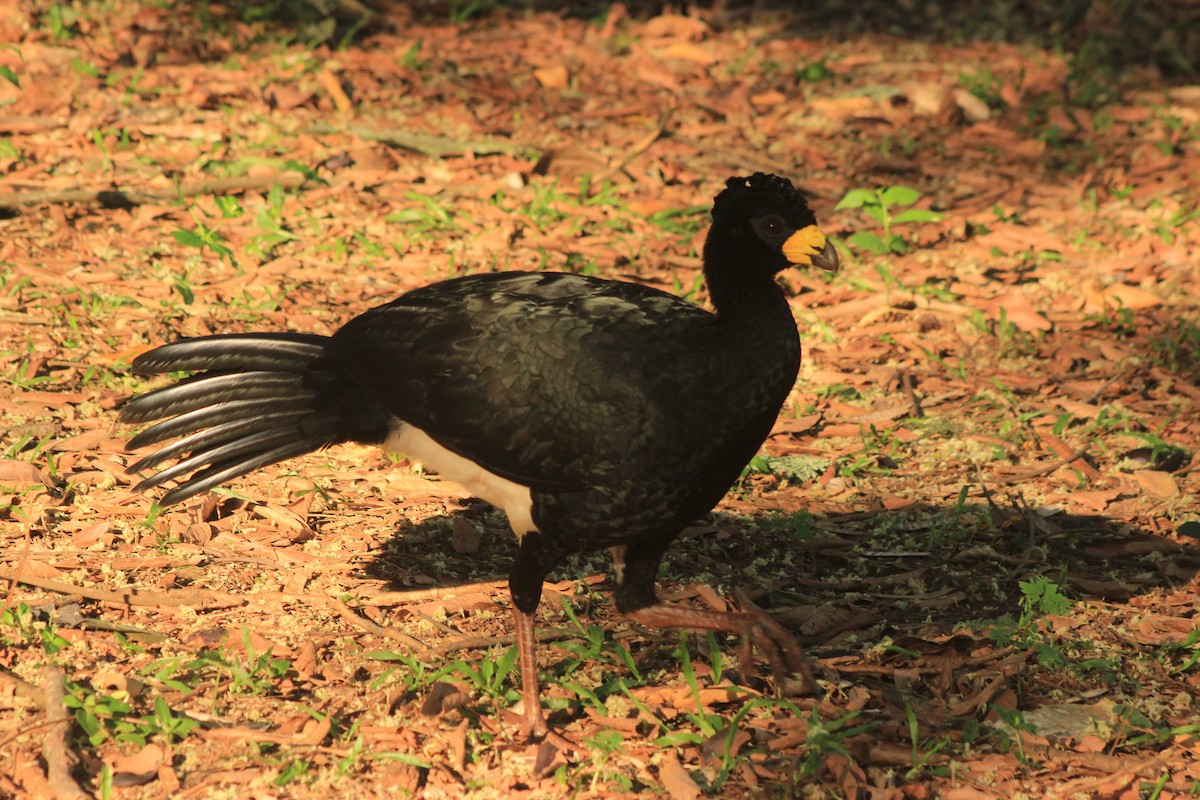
(595, 413)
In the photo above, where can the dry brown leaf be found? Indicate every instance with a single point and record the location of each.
(1092, 502)
(1156, 483)
(555, 77)
(139, 768)
(34, 568)
(1157, 629)
(693, 53)
(20, 473)
(1135, 297)
(1017, 309)
(676, 780)
(682, 697)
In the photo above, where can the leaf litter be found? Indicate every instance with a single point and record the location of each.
(998, 396)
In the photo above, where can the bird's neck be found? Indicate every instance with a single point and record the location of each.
(744, 295)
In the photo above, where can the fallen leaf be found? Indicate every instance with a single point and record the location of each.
(20, 472)
(139, 768)
(686, 51)
(972, 107)
(1158, 484)
(555, 77)
(676, 780)
(1017, 309)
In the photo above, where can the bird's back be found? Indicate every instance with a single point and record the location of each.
(562, 382)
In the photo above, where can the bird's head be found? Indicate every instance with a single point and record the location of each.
(766, 220)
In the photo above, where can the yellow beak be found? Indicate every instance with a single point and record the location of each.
(810, 247)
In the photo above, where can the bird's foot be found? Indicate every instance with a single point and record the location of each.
(780, 648)
(757, 628)
(534, 729)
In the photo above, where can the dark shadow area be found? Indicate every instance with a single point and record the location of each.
(940, 590)
(1106, 36)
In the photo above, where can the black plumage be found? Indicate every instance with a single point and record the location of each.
(595, 413)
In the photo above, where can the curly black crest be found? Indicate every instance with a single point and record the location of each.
(741, 193)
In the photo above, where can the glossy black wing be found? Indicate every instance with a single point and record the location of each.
(550, 380)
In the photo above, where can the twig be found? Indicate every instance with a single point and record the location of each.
(200, 599)
(443, 627)
(12, 581)
(118, 197)
(441, 592)
(484, 642)
(54, 744)
(1096, 395)
(345, 612)
(906, 380)
(436, 593)
(1048, 469)
(426, 145)
(21, 687)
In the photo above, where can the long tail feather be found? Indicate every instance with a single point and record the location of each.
(258, 399)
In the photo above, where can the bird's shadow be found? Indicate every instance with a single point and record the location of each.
(842, 582)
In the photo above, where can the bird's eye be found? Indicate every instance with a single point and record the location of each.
(772, 226)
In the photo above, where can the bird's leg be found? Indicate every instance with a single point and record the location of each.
(636, 566)
(533, 726)
(532, 564)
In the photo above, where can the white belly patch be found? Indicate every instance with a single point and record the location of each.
(512, 498)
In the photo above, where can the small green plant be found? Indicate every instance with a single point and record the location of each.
(411, 59)
(7, 72)
(827, 737)
(62, 19)
(414, 674)
(255, 674)
(985, 85)
(424, 216)
(798, 526)
(1039, 597)
(1134, 728)
(1010, 734)
(462, 11)
(293, 770)
(1118, 319)
(29, 630)
(880, 205)
(604, 747)
(920, 760)
(205, 238)
(683, 222)
(813, 71)
(103, 717)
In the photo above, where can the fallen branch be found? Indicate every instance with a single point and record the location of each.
(117, 197)
(422, 143)
(200, 599)
(484, 642)
(55, 751)
(499, 588)
(345, 612)
(1041, 472)
(21, 687)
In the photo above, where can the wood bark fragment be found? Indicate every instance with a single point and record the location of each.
(422, 143)
(345, 612)
(126, 197)
(55, 749)
(201, 599)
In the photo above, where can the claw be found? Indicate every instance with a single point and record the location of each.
(780, 648)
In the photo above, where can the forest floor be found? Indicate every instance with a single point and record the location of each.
(978, 509)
